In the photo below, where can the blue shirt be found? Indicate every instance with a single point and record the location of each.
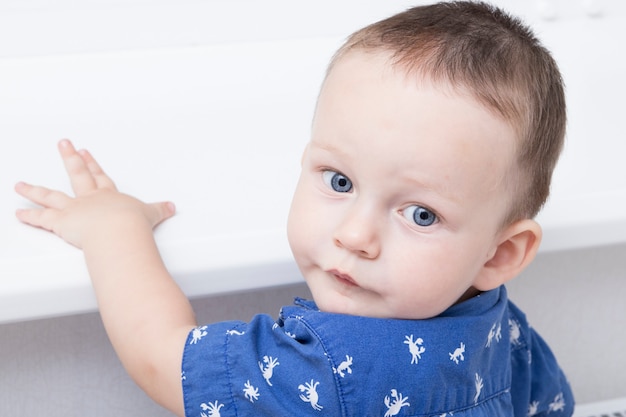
(478, 358)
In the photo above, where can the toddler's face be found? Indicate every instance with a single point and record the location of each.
(401, 194)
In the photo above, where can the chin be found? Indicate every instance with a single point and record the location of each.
(334, 306)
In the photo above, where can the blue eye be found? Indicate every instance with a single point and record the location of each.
(338, 182)
(420, 215)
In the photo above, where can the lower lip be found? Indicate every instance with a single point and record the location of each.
(344, 279)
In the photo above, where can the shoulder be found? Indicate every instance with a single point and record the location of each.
(538, 384)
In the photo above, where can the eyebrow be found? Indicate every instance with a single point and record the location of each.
(432, 187)
(327, 146)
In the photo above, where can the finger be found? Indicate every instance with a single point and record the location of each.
(81, 179)
(161, 212)
(43, 196)
(42, 218)
(100, 177)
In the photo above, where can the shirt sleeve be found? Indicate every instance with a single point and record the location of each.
(259, 368)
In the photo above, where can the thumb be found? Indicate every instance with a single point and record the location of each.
(161, 211)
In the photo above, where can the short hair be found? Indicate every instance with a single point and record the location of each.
(480, 48)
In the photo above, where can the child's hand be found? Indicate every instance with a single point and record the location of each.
(97, 205)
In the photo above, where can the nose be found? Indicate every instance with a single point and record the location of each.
(358, 232)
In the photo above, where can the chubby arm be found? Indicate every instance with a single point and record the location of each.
(146, 315)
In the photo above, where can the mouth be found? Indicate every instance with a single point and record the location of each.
(343, 278)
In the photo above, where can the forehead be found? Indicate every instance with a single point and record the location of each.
(373, 111)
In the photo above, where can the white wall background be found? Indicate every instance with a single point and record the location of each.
(66, 367)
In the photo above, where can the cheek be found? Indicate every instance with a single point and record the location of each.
(432, 270)
(294, 222)
(301, 223)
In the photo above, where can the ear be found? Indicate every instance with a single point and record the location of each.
(517, 247)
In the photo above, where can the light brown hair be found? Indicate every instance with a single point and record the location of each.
(479, 48)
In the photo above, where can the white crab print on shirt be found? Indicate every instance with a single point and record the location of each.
(250, 392)
(533, 408)
(494, 334)
(415, 348)
(457, 355)
(345, 366)
(558, 404)
(310, 394)
(267, 368)
(197, 334)
(514, 332)
(395, 403)
(212, 408)
(478, 382)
